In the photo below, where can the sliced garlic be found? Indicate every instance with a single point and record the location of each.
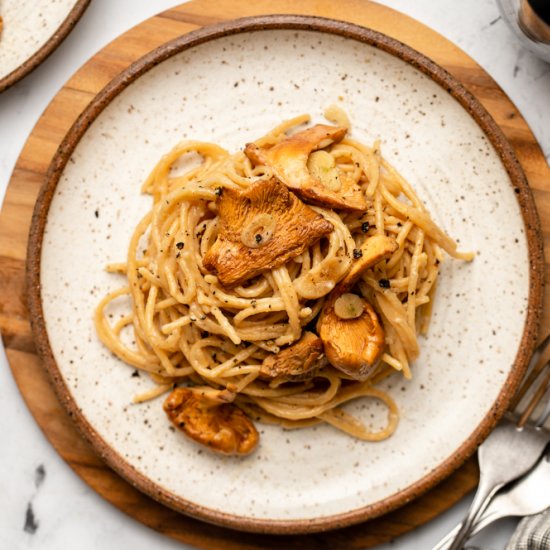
(258, 232)
(305, 312)
(349, 306)
(321, 279)
(321, 166)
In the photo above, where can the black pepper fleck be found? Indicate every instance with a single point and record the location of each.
(384, 283)
(357, 253)
(365, 226)
(179, 245)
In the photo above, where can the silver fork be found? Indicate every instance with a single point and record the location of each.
(527, 496)
(498, 456)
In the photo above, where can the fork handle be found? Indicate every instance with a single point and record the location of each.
(445, 542)
(483, 494)
(484, 520)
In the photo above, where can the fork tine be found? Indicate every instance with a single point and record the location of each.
(537, 396)
(533, 370)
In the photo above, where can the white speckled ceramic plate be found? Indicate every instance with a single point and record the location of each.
(230, 84)
(32, 29)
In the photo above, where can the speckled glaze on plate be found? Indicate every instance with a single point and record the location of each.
(230, 84)
(32, 29)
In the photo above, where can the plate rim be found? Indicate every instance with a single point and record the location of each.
(385, 43)
(51, 44)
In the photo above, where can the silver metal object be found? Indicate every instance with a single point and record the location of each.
(532, 30)
(515, 445)
(527, 496)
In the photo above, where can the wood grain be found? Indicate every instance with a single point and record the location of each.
(17, 212)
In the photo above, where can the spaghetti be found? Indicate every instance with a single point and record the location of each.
(190, 329)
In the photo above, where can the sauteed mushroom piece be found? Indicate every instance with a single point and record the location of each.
(261, 228)
(374, 250)
(352, 345)
(212, 421)
(348, 326)
(299, 362)
(301, 164)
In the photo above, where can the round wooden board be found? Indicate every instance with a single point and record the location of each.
(16, 216)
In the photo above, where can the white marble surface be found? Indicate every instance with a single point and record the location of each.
(32, 476)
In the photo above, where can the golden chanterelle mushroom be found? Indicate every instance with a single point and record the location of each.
(261, 228)
(374, 250)
(352, 345)
(299, 162)
(299, 362)
(220, 426)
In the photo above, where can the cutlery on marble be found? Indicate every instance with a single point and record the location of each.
(527, 496)
(515, 445)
